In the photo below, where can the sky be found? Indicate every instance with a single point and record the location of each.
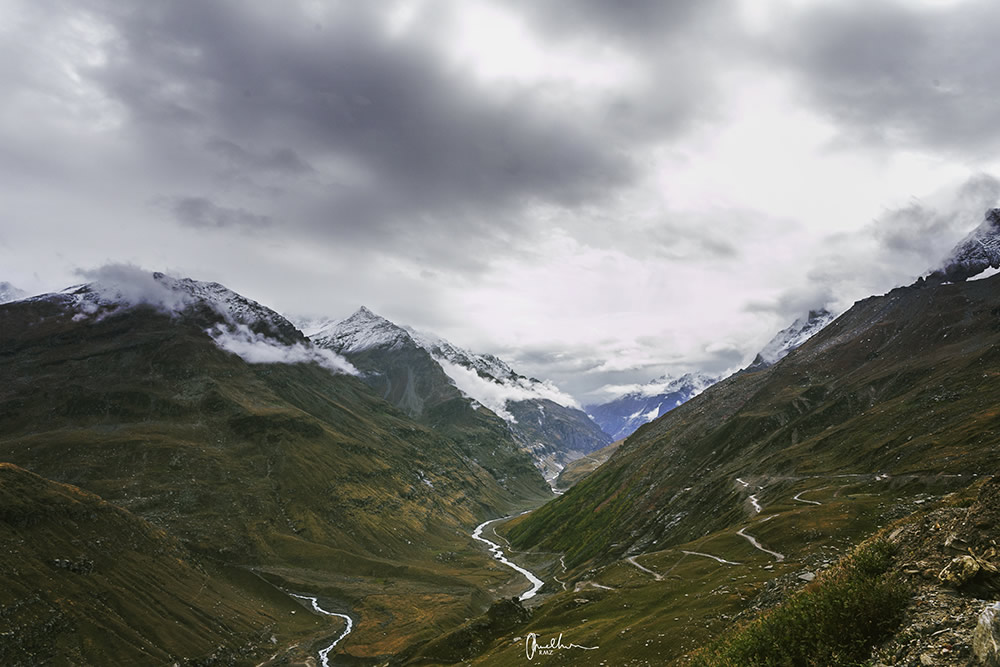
(598, 191)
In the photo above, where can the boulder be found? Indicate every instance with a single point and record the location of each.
(986, 637)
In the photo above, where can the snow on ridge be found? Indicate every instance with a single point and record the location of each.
(487, 378)
(121, 286)
(9, 293)
(116, 286)
(484, 378)
(666, 384)
(793, 336)
(361, 331)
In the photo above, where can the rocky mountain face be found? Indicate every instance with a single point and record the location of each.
(620, 417)
(977, 252)
(790, 338)
(228, 439)
(441, 384)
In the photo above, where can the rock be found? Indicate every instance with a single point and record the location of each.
(807, 576)
(959, 571)
(926, 659)
(986, 637)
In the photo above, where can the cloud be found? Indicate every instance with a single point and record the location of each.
(255, 348)
(495, 395)
(202, 213)
(895, 249)
(127, 285)
(899, 74)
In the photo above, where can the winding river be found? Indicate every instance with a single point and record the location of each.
(324, 653)
(497, 551)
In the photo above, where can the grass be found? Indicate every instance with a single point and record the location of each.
(833, 623)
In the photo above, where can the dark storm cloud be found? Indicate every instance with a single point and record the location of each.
(203, 213)
(381, 133)
(896, 75)
(622, 20)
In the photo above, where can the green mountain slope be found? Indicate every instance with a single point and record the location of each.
(903, 384)
(301, 474)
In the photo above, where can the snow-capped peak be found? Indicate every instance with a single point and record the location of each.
(791, 337)
(10, 293)
(487, 379)
(121, 286)
(977, 252)
(361, 331)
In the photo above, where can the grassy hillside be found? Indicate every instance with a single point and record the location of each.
(86, 582)
(903, 384)
(304, 476)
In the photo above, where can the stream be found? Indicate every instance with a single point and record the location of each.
(497, 552)
(324, 653)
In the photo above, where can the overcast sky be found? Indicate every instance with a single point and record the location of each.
(599, 191)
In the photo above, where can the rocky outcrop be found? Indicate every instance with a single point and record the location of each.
(977, 252)
(986, 638)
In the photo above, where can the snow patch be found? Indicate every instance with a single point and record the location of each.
(988, 273)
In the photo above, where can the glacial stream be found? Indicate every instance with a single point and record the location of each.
(497, 551)
(324, 653)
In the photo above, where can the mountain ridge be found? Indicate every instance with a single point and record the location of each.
(417, 371)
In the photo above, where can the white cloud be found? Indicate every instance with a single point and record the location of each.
(495, 396)
(129, 285)
(255, 348)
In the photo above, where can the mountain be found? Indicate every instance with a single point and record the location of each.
(790, 338)
(977, 252)
(583, 466)
(441, 384)
(620, 417)
(768, 508)
(213, 424)
(899, 384)
(10, 293)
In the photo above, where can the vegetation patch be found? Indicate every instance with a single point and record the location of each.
(835, 622)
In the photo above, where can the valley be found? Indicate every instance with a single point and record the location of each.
(340, 505)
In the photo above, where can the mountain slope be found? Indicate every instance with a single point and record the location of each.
(452, 389)
(96, 585)
(620, 417)
(900, 384)
(222, 425)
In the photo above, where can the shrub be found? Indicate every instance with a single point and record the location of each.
(833, 622)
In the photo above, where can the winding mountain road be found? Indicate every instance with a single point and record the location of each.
(752, 540)
(656, 575)
(721, 560)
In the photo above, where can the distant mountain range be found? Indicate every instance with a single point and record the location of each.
(420, 373)
(621, 416)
